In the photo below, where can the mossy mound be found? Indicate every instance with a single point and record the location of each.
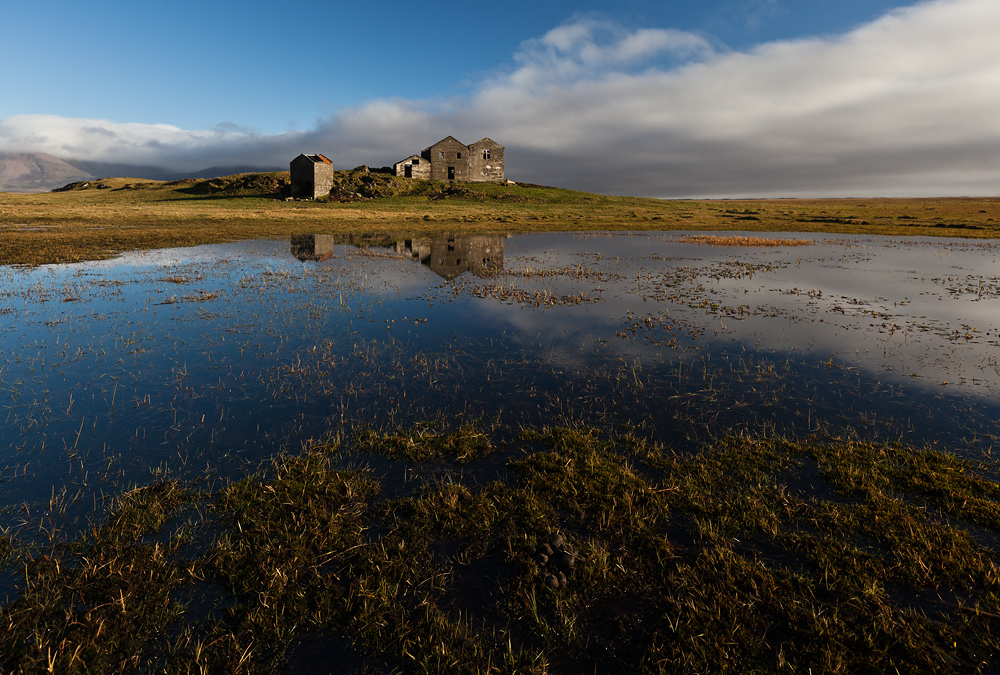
(110, 184)
(274, 183)
(367, 184)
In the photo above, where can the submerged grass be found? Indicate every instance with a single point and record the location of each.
(596, 552)
(94, 222)
(747, 242)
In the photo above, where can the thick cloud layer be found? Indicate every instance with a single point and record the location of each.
(906, 105)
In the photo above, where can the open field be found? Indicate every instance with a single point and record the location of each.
(126, 214)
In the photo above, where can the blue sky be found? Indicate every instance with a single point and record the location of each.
(198, 64)
(729, 93)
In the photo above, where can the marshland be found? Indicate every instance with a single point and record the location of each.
(496, 429)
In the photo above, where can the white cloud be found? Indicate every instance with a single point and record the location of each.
(905, 105)
(160, 145)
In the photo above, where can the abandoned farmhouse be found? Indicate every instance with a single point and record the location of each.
(448, 159)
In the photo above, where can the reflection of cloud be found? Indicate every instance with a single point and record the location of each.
(903, 105)
(874, 286)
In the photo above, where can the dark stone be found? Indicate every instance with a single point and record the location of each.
(552, 581)
(567, 560)
(557, 540)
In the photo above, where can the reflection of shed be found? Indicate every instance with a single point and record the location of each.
(450, 257)
(413, 167)
(312, 246)
(312, 176)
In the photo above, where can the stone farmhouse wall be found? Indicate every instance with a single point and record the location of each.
(413, 166)
(486, 160)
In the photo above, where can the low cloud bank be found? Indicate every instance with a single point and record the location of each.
(903, 106)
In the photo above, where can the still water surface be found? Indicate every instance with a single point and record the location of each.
(200, 361)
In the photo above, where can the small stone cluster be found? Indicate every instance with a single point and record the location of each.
(557, 560)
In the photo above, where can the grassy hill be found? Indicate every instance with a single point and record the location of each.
(100, 218)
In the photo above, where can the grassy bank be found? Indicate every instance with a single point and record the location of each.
(102, 218)
(587, 552)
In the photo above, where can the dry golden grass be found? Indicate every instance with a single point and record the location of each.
(135, 214)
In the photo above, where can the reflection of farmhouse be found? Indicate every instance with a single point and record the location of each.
(450, 160)
(450, 257)
(313, 246)
(312, 176)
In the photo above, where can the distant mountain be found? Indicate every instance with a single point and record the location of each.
(36, 172)
(105, 169)
(111, 170)
(39, 172)
(216, 171)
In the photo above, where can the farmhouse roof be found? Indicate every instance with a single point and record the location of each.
(442, 141)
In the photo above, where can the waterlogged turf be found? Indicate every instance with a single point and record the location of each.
(742, 452)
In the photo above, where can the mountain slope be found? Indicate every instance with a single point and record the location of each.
(36, 172)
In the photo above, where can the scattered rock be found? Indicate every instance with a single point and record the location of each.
(557, 560)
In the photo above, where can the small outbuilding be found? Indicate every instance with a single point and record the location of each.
(312, 176)
(413, 166)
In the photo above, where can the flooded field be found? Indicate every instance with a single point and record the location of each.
(551, 453)
(192, 363)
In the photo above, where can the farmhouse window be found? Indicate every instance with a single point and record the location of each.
(459, 156)
(441, 155)
(486, 153)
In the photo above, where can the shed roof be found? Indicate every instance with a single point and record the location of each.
(317, 158)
